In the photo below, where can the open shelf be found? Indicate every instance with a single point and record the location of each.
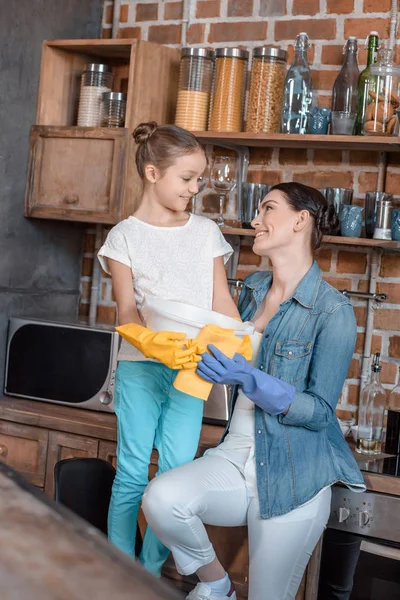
(307, 141)
(327, 239)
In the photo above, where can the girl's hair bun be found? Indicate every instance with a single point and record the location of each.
(144, 131)
(326, 219)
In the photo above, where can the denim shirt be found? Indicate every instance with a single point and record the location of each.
(308, 343)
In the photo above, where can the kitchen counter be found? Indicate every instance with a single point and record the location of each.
(103, 426)
(47, 553)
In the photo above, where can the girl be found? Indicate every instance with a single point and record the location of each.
(165, 252)
(284, 448)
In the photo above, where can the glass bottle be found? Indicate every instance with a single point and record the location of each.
(297, 96)
(371, 413)
(393, 421)
(345, 91)
(366, 81)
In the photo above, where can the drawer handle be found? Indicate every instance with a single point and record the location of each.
(74, 199)
(3, 450)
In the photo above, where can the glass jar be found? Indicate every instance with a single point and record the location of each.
(195, 82)
(113, 109)
(96, 79)
(268, 71)
(383, 97)
(229, 89)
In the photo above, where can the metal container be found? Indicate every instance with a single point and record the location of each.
(229, 89)
(268, 71)
(113, 110)
(252, 194)
(194, 91)
(383, 225)
(96, 79)
(370, 204)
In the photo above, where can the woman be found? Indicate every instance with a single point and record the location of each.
(283, 448)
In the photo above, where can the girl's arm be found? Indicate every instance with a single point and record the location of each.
(222, 300)
(122, 286)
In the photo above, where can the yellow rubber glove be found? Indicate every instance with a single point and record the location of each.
(169, 347)
(225, 340)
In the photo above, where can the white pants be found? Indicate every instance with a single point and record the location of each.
(212, 491)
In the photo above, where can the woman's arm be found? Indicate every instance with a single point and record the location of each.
(123, 291)
(222, 300)
(330, 361)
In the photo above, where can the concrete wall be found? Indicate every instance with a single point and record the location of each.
(39, 260)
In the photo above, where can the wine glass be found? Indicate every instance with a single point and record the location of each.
(223, 179)
(202, 183)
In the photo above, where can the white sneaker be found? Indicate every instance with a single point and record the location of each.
(202, 591)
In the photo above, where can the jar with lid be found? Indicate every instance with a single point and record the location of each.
(268, 71)
(113, 110)
(229, 89)
(194, 92)
(383, 96)
(96, 79)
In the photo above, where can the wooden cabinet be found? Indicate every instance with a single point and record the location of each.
(25, 449)
(89, 174)
(79, 173)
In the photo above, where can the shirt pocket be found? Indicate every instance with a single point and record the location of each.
(291, 360)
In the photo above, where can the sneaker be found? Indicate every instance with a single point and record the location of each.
(203, 592)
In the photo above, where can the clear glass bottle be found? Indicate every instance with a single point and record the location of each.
(297, 96)
(384, 97)
(366, 81)
(371, 413)
(392, 445)
(345, 91)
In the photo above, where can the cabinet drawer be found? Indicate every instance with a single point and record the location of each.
(24, 448)
(76, 173)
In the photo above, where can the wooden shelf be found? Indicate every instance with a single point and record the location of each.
(327, 239)
(307, 141)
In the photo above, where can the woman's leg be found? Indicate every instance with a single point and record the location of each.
(138, 408)
(280, 547)
(177, 439)
(177, 504)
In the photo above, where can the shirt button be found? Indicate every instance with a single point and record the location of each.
(261, 464)
(290, 353)
(259, 431)
(266, 335)
(262, 367)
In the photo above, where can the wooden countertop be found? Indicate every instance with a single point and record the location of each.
(103, 426)
(47, 553)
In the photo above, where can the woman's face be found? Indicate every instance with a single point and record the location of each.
(274, 224)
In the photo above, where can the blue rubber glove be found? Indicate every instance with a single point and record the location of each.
(269, 393)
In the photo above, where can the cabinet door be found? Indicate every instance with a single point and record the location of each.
(77, 173)
(66, 445)
(108, 452)
(24, 449)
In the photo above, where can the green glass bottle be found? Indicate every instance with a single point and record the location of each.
(366, 81)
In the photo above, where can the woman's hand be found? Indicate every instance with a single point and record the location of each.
(269, 393)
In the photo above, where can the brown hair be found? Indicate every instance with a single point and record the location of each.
(303, 197)
(161, 145)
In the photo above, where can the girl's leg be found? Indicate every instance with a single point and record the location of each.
(280, 547)
(138, 408)
(176, 440)
(177, 504)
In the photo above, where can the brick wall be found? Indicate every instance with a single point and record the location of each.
(250, 23)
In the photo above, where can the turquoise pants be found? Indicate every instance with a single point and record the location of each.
(150, 412)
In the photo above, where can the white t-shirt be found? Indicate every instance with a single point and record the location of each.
(173, 263)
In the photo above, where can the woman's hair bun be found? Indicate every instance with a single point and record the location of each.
(326, 219)
(144, 131)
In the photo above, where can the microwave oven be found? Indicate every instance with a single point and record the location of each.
(74, 365)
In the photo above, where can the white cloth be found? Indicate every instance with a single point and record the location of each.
(211, 490)
(173, 263)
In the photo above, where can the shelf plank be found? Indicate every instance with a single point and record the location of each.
(327, 239)
(282, 140)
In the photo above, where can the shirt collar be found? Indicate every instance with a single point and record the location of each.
(305, 293)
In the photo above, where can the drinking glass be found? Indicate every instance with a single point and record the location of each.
(223, 179)
(202, 183)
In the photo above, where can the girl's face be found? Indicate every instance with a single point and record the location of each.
(175, 187)
(275, 224)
